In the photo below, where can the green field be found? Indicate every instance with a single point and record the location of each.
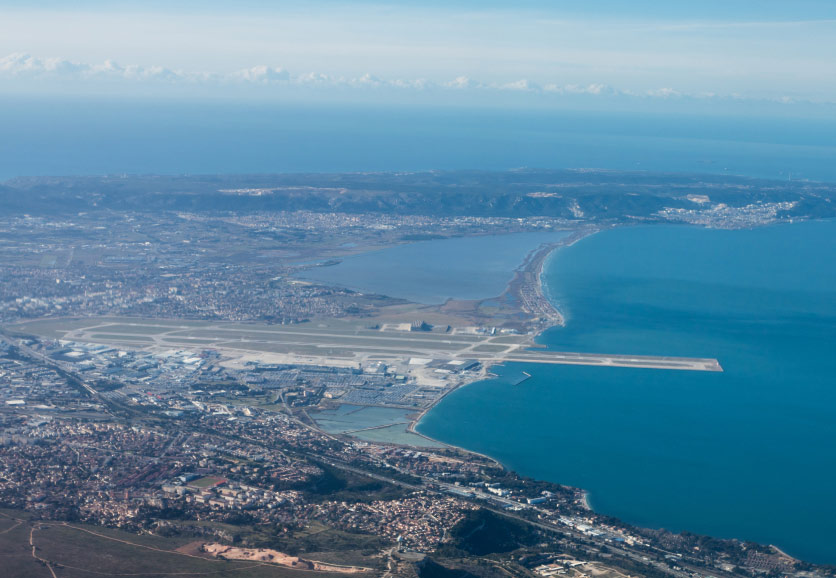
(206, 482)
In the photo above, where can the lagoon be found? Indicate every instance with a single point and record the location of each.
(431, 272)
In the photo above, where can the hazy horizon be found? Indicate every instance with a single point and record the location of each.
(730, 55)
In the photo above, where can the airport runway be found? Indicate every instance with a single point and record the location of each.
(346, 341)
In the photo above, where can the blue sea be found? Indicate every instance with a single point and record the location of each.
(43, 136)
(748, 453)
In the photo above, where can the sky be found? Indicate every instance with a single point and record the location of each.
(467, 52)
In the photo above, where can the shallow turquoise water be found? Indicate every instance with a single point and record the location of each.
(748, 453)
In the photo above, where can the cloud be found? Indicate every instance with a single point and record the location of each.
(664, 93)
(461, 82)
(367, 80)
(417, 84)
(19, 64)
(594, 89)
(18, 69)
(522, 85)
(428, 46)
(262, 74)
(314, 78)
(27, 66)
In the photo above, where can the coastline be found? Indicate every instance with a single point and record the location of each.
(542, 288)
(483, 375)
(536, 260)
(526, 287)
(529, 275)
(587, 502)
